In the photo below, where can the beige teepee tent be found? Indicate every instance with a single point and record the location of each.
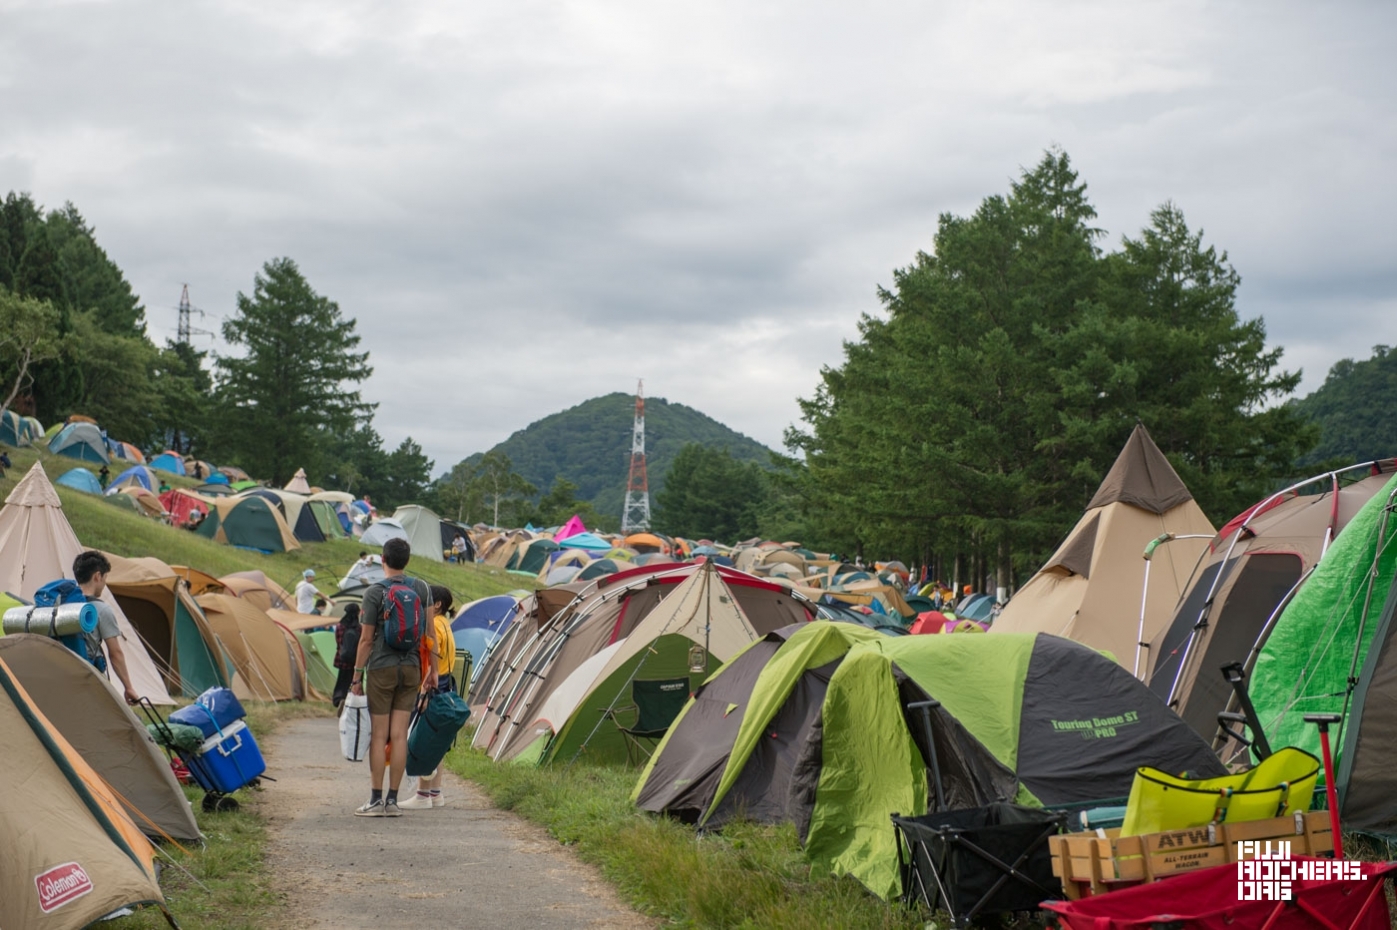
(38, 546)
(298, 482)
(1093, 587)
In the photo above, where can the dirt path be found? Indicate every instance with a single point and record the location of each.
(463, 865)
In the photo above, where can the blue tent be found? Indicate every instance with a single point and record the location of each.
(81, 441)
(168, 461)
(586, 541)
(477, 643)
(80, 479)
(136, 474)
(217, 477)
(13, 430)
(492, 614)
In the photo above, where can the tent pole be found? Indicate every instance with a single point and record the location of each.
(924, 707)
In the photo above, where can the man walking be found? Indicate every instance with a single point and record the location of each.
(393, 624)
(90, 570)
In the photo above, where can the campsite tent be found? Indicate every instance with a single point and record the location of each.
(147, 503)
(479, 624)
(182, 505)
(519, 707)
(170, 623)
(383, 530)
(1313, 659)
(94, 719)
(13, 430)
(531, 557)
(298, 483)
(250, 523)
(1091, 589)
(256, 587)
(733, 748)
(38, 546)
(266, 656)
(81, 441)
(573, 527)
(1254, 563)
(80, 479)
(588, 541)
(701, 612)
(169, 461)
(136, 476)
(423, 530)
(124, 450)
(1015, 722)
(69, 855)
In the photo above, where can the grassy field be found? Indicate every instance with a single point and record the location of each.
(100, 524)
(749, 876)
(231, 887)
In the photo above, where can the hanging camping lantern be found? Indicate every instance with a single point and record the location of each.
(698, 659)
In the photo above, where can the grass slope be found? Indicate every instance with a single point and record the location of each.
(102, 525)
(749, 876)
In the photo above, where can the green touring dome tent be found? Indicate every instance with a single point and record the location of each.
(249, 522)
(530, 559)
(733, 749)
(1317, 656)
(81, 441)
(1025, 717)
(92, 717)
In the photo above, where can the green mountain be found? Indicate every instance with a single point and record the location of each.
(590, 445)
(1356, 409)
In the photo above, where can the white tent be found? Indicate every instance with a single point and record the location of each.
(37, 545)
(383, 530)
(423, 529)
(298, 483)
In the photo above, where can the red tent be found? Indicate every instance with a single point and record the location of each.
(182, 505)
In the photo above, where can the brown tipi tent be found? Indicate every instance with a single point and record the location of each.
(68, 853)
(1092, 588)
(298, 482)
(38, 546)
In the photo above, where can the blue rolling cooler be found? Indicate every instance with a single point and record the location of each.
(228, 760)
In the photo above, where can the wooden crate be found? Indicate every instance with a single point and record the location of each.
(1102, 860)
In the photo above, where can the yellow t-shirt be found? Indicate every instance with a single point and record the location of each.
(444, 646)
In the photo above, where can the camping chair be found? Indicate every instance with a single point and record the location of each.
(978, 860)
(655, 704)
(461, 671)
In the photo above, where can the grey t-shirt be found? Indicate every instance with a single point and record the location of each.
(381, 656)
(106, 628)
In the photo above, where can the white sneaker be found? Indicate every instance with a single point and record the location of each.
(371, 809)
(416, 803)
(438, 800)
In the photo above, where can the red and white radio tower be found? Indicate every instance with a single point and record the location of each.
(636, 516)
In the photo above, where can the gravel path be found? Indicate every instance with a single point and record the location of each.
(463, 865)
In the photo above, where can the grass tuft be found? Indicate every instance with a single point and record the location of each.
(749, 876)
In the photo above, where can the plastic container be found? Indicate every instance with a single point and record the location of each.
(215, 709)
(229, 760)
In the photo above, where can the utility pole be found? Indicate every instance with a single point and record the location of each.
(184, 308)
(636, 516)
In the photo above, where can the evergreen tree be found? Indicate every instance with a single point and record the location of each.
(293, 384)
(1355, 410)
(709, 494)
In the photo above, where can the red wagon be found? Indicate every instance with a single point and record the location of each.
(1208, 899)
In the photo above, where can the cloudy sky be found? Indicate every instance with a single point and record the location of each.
(527, 204)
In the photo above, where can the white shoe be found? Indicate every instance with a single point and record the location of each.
(438, 800)
(416, 803)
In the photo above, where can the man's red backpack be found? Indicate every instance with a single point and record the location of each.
(404, 615)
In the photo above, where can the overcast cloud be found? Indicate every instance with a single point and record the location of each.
(527, 204)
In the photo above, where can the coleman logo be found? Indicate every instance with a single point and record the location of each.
(60, 885)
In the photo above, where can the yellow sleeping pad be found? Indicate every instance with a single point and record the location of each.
(1282, 784)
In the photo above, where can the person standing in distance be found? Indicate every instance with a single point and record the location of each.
(90, 570)
(306, 592)
(391, 675)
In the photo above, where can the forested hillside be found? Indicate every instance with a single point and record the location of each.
(590, 446)
(1355, 409)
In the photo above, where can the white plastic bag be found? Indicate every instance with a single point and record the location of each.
(354, 728)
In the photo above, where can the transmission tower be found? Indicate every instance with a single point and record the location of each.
(636, 516)
(185, 330)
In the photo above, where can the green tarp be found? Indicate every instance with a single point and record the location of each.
(1322, 637)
